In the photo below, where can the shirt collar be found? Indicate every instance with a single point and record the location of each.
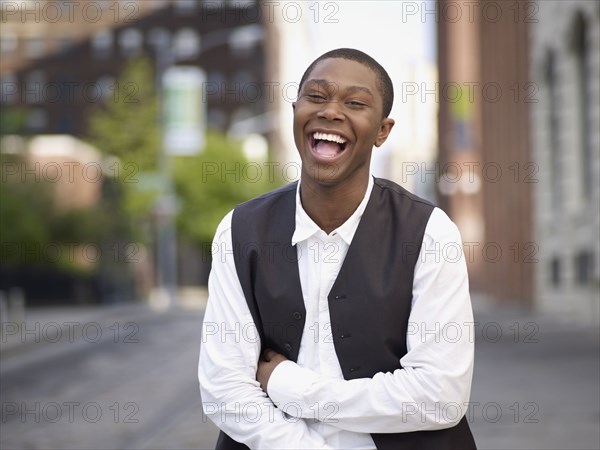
(306, 227)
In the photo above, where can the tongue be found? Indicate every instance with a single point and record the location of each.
(327, 149)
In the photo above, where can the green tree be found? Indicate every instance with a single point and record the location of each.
(34, 231)
(212, 183)
(126, 128)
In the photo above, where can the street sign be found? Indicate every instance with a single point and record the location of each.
(184, 112)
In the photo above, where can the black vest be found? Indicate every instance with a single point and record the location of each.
(369, 303)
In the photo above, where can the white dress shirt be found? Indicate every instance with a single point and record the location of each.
(316, 407)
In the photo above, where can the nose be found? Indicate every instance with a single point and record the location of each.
(331, 111)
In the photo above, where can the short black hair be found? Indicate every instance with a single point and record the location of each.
(384, 82)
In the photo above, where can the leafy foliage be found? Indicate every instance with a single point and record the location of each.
(210, 184)
(128, 130)
(35, 232)
(126, 126)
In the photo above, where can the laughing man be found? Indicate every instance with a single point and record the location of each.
(335, 317)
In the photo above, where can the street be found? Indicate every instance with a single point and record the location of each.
(140, 392)
(135, 387)
(536, 383)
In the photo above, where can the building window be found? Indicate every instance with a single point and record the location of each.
(37, 120)
(214, 5)
(216, 119)
(555, 272)
(244, 39)
(8, 44)
(159, 38)
(66, 123)
(35, 84)
(216, 78)
(35, 47)
(9, 88)
(102, 44)
(186, 43)
(553, 127)
(242, 3)
(584, 267)
(581, 53)
(158, 4)
(65, 44)
(242, 78)
(184, 7)
(130, 42)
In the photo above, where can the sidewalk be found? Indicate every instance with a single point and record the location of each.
(535, 386)
(37, 333)
(536, 382)
(134, 387)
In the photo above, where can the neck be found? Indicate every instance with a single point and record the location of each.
(330, 206)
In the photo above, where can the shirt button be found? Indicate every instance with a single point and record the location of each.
(297, 315)
(287, 346)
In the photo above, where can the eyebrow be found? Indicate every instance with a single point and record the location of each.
(352, 89)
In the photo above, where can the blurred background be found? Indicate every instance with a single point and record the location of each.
(128, 129)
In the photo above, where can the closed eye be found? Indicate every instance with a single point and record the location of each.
(316, 97)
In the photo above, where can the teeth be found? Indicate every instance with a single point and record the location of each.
(329, 137)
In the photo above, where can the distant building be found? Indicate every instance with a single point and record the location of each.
(565, 66)
(485, 159)
(73, 174)
(74, 168)
(59, 58)
(526, 127)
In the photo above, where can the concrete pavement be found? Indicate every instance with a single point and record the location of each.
(536, 381)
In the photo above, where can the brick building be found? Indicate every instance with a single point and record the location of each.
(527, 135)
(59, 57)
(484, 151)
(565, 65)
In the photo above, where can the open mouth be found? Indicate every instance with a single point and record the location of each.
(327, 145)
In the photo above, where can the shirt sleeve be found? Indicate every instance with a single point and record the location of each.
(432, 389)
(229, 352)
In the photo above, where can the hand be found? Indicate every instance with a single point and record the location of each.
(266, 364)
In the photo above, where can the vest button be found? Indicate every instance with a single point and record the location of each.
(352, 369)
(287, 346)
(297, 315)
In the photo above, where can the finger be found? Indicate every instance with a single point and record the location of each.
(267, 354)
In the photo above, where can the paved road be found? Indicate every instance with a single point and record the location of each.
(535, 386)
(139, 392)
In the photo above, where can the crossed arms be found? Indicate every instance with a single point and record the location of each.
(430, 392)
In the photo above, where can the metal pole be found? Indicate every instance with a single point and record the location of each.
(166, 243)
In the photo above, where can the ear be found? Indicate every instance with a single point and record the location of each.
(384, 131)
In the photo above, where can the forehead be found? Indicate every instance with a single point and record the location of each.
(345, 73)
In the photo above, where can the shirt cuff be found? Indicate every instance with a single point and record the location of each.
(287, 385)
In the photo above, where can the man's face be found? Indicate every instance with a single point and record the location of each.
(337, 120)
